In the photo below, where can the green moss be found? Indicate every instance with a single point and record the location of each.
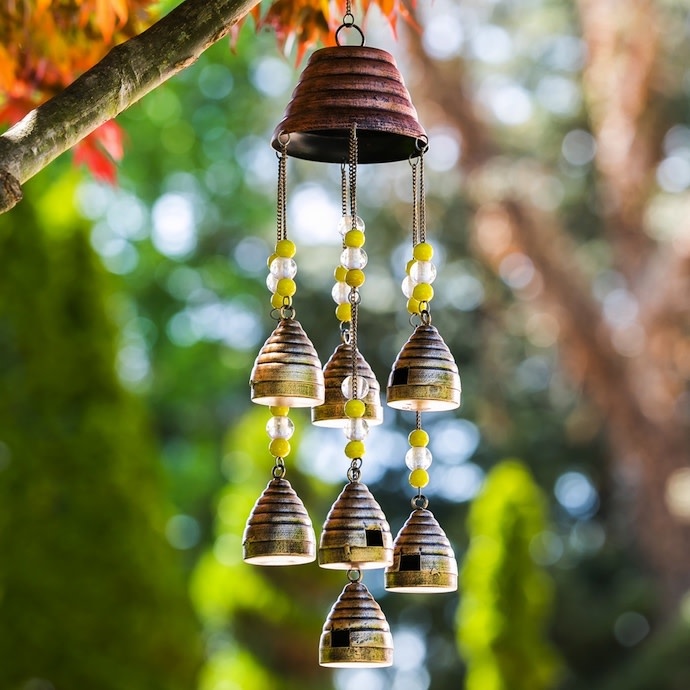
(90, 593)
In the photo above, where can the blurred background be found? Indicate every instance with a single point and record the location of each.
(131, 313)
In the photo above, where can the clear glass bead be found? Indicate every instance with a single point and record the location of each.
(418, 458)
(280, 427)
(340, 292)
(407, 286)
(354, 257)
(362, 387)
(271, 282)
(356, 429)
(282, 267)
(345, 224)
(423, 272)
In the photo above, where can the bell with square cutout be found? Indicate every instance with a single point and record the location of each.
(287, 371)
(424, 376)
(279, 530)
(356, 533)
(336, 370)
(356, 633)
(423, 559)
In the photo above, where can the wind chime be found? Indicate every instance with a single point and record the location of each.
(351, 107)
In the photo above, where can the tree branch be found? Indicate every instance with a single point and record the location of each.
(128, 72)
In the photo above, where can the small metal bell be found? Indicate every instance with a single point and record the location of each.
(287, 371)
(423, 559)
(339, 367)
(343, 85)
(356, 633)
(279, 531)
(356, 533)
(424, 375)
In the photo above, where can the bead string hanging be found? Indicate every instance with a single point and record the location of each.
(287, 373)
(423, 557)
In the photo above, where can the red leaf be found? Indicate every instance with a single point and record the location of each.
(100, 151)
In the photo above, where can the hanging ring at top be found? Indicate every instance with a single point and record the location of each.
(349, 23)
(422, 144)
(420, 502)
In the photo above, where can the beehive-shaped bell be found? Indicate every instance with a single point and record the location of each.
(343, 85)
(423, 559)
(356, 632)
(356, 533)
(337, 369)
(424, 375)
(287, 371)
(279, 531)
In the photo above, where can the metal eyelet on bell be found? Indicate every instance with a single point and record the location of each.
(424, 376)
(287, 371)
(337, 368)
(356, 633)
(356, 533)
(279, 530)
(423, 559)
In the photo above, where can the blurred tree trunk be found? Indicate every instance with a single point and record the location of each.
(636, 375)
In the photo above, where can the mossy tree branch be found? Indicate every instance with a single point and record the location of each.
(128, 72)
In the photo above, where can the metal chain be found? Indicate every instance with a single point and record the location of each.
(422, 200)
(418, 420)
(354, 471)
(352, 160)
(414, 163)
(281, 212)
(279, 468)
(343, 189)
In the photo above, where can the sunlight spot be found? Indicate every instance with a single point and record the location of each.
(461, 483)
(516, 270)
(576, 493)
(313, 216)
(558, 95)
(444, 150)
(271, 76)
(673, 174)
(215, 81)
(678, 493)
(630, 628)
(443, 36)
(492, 44)
(183, 531)
(579, 147)
(453, 441)
(174, 232)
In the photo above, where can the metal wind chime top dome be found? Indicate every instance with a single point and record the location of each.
(351, 107)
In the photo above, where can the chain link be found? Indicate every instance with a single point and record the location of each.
(281, 205)
(279, 468)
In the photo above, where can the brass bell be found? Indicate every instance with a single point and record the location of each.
(279, 531)
(356, 533)
(287, 371)
(356, 633)
(424, 375)
(423, 559)
(337, 369)
(343, 85)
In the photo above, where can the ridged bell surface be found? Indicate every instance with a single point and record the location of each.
(287, 370)
(343, 85)
(279, 531)
(356, 533)
(356, 633)
(423, 559)
(425, 376)
(339, 367)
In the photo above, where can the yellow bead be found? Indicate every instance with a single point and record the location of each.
(355, 277)
(419, 478)
(276, 300)
(354, 238)
(287, 287)
(340, 274)
(418, 438)
(343, 312)
(355, 408)
(270, 259)
(409, 266)
(279, 447)
(423, 251)
(286, 248)
(279, 411)
(413, 305)
(423, 292)
(354, 449)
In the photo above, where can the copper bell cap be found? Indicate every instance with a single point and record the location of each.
(423, 559)
(356, 633)
(424, 376)
(336, 370)
(356, 533)
(287, 371)
(279, 531)
(341, 86)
